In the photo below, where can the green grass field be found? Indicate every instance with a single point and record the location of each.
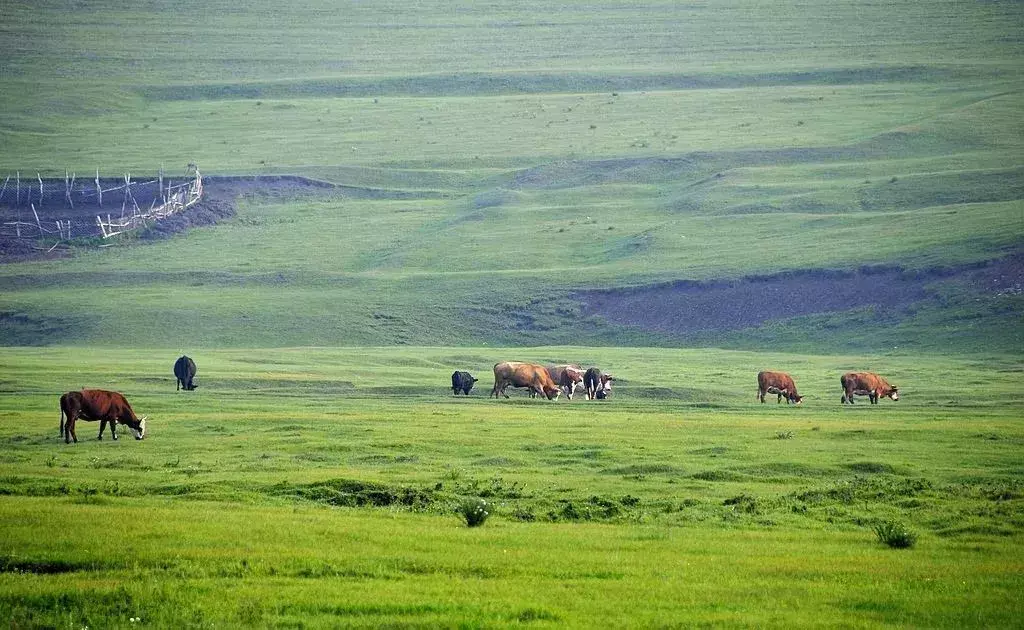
(317, 487)
(500, 165)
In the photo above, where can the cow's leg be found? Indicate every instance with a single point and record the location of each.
(177, 384)
(113, 429)
(69, 428)
(778, 399)
(103, 425)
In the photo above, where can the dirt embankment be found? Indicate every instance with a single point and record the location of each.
(220, 196)
(685, 307)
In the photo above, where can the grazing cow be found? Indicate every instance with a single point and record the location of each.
(98, 404)
(462, 382)
(567, 377)
(866, 384)
(777, 383)
(529, 375)
(595, 381)
(184, 372)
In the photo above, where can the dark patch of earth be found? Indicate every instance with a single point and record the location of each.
(684, 307)
(219, 202)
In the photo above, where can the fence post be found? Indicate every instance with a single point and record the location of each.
(67, 189)
(40, 178)
(99, 189)
(38, 224)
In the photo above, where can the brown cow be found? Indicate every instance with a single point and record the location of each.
(777, 383)
(529, 375)
(98, 404)
(866, 384)
(567, 377)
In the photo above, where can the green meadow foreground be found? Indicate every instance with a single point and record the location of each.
(317, 487)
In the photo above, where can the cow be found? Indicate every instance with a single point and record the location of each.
(184, 372)
(529, 375)
(866, 384)
(777, 383)
(567, 377)
(102, 405)
(462, 381)
(595, 381)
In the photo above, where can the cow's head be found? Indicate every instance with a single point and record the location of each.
(796, 400)
(601, 394)
(140, 432)
(552, 392)
(894, 394)
(606, 382)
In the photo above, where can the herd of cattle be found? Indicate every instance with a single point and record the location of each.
(545, 380)
(549, 381)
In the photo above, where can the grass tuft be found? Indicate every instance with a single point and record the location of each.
(475, 511)
(895, 534)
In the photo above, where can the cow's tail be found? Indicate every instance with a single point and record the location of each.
(61, 425)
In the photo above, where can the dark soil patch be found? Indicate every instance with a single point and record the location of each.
(220, 198)
(684, 307)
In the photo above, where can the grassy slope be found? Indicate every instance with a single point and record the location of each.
(742, 139)
(678, 501)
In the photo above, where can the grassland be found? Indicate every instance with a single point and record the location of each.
(671, 141)
(317, 487)
(500, 164)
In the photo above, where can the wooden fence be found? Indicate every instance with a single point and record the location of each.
(176, 199)
(170, 199)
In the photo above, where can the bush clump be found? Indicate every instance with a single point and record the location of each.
(475, 511)
(896, 534)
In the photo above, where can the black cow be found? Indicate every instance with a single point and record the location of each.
(595, 382)
(184, 372)
(462, 381)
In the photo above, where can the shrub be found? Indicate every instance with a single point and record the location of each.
(784, 435)
(475, 511)
(895, 534)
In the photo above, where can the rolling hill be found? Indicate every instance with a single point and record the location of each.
(601, 175)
